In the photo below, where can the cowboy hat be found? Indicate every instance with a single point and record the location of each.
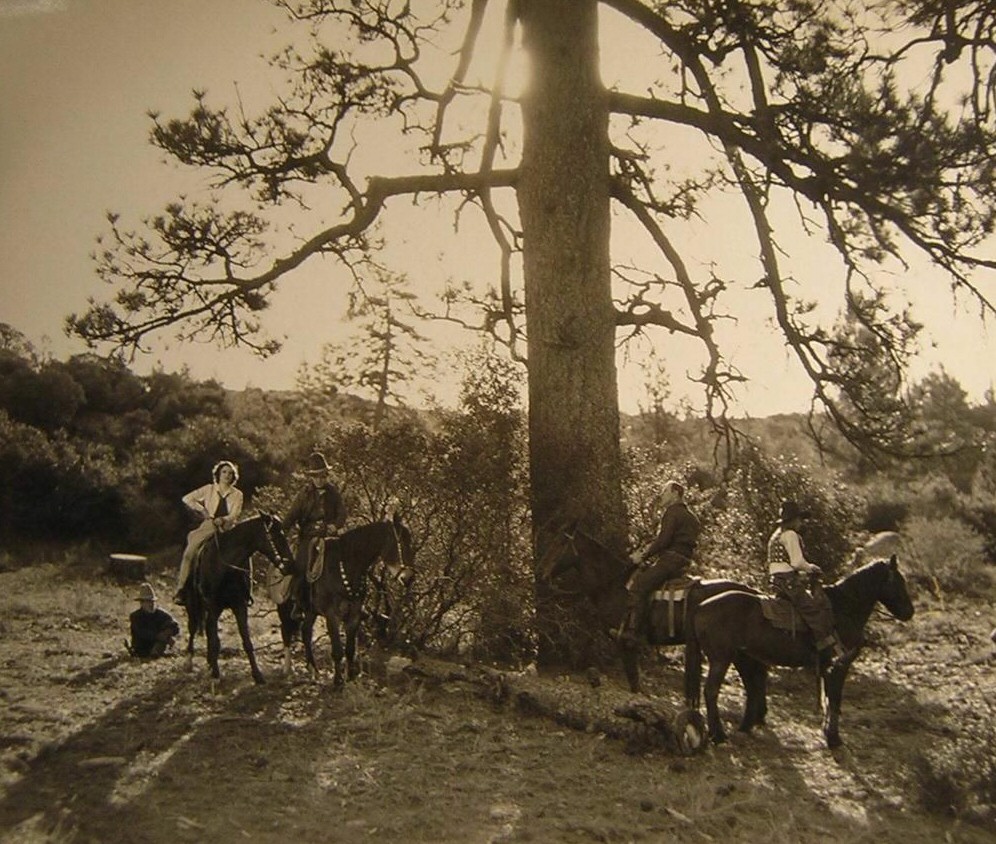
(790, 510)
(146, 593)
(317, 464)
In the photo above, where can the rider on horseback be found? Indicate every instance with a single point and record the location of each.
(667, 557)
(789, 573)
(219, 504)
(319, 511)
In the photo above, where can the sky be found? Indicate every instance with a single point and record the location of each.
(77, 78)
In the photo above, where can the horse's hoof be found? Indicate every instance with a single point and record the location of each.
(834, 742)
(718, 738)
(690, 732)
(259, 678)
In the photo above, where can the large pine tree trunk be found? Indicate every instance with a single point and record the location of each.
(575, 461)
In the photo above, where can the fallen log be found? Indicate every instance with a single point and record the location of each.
(578, 703)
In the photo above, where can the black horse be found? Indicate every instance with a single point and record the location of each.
(733, 624)
(222, 580)
(340, 589)
(602, 576)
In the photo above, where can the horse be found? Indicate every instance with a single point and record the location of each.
(602, 578)
(730, 625)
(340, 589)
(222, 580)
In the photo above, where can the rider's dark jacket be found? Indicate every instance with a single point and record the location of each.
(315, 513)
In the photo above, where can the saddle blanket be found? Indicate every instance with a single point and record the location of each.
(674, 590)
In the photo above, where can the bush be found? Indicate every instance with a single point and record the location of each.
(947, 555)
(737, 527)
(958, 779)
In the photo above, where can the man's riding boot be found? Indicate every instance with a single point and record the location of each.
(299, 599)
(628, 632)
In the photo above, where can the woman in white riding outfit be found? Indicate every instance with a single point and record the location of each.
(219, 504)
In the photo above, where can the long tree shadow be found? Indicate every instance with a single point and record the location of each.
(93, 783)
(885, 726)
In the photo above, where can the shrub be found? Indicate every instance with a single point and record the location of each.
(958, 778)
(947, 555)
(737, 527)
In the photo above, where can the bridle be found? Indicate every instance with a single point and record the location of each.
(271, 547)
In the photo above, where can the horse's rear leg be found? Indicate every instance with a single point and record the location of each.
(242, 620)
(213, 643)
(289, 629)
(307, 633)
(191, 633)
(754, 677)
(718, 666)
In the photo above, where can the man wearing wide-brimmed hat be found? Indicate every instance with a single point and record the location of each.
(153, 630)
(790, 572)
(318, 512)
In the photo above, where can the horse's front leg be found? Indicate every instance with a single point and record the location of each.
(242, 620)
(338, 652)
(718, 666)
(630, 655)
(833, 686)
(353, 619)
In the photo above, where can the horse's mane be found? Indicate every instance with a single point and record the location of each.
(867, 573)
(351, 536)
(858, 582)
(622, 565)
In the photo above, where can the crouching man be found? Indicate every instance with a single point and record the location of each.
(153, 630)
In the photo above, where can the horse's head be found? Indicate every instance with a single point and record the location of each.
(560, 555)
(598, 567)
(276, 546)
(400, 552)
(895, 596)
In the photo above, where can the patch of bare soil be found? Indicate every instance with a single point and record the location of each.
(97, 747)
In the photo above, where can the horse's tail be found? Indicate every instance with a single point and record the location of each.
(195, 608)
(693, 663)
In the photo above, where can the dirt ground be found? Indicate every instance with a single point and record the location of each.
(96, 747)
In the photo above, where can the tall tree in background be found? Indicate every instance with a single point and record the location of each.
(384, 356)
(802, 112)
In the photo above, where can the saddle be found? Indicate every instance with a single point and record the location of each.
(782, 614)
(316, 559)
(198, 562)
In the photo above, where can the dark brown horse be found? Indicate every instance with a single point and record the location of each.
(222, 580)
(602, 576)
(733, 624)
(340, 589)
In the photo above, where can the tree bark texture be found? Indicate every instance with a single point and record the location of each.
(575, 458)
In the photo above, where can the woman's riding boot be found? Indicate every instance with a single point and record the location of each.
(834, 655)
